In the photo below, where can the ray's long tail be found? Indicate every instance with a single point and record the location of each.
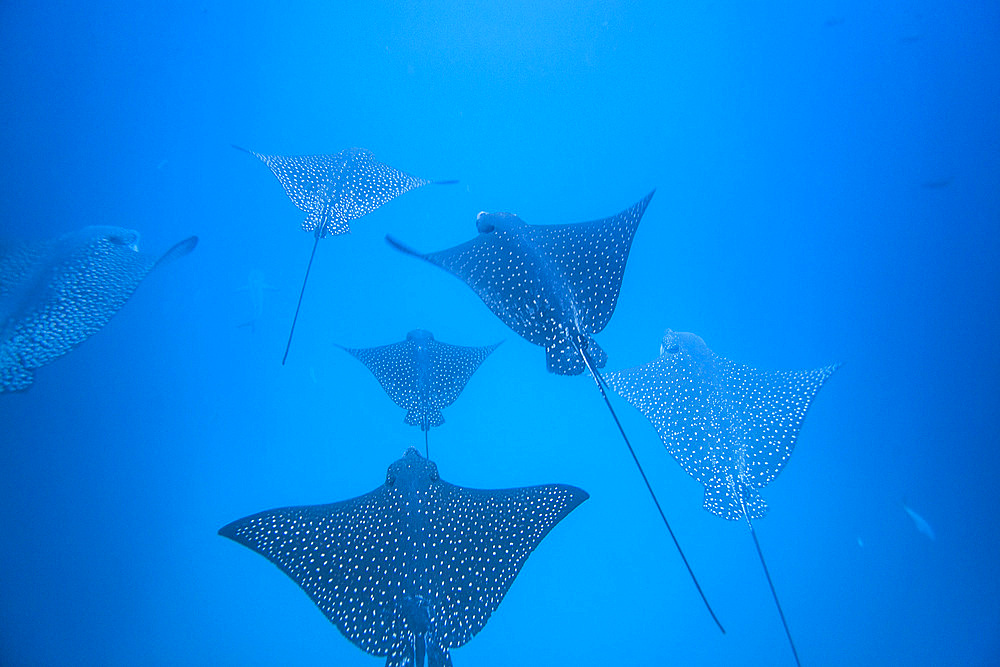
(774, 594)
(599, 380)
(302, 292)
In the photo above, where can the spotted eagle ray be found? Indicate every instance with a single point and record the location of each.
(414, 568)
(56, 294)
(333, 190)
(422, 375)
(556, 286)
(730, 426)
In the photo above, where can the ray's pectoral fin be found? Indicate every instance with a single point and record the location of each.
(402, 247)
(13, 376)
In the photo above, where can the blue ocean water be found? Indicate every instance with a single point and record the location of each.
(828, 190)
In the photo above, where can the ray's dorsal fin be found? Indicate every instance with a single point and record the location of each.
(416, 565)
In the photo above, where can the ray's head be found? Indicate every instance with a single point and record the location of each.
(677, 342)
(412, 472)
(420, 336)
(115, 236)
(487, 223)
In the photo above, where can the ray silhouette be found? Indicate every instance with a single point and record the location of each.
(333, 190)
(731, 427)
(556, 286)
(416, 567)
(256, 287)
(56, 294)
(422, 375)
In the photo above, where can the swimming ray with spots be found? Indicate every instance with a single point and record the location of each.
(556, 286)
(422, 375)
(56, 294)
(333, 190)
(416, 567)
(729, 426)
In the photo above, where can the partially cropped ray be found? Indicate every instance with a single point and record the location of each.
(422, 375)
(416, 567)
(333, 190)
(730, 426)
(56, 294)
(556, 286)
(920, 522)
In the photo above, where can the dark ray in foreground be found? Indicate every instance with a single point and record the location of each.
(417, 566)
(731, 427)
(56, 294)
(556, 286)
(422, 375)
(333, 190)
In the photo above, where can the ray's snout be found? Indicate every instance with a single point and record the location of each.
(484, 222)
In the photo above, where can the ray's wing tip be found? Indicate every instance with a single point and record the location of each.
(179, 250)
(229, 530)
(400, 246)
(644, 202)
(827, 371)
(576, 494)
(448, 182)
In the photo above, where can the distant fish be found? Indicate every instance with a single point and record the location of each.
(920, 522)
(56, 294)
(936, 184)
(861, 543)
(255, 287)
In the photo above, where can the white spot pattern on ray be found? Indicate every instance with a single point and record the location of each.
(554, 285)
(334, 189)
(415, 542)
(56, 294)
(422, 375)
(730, 426)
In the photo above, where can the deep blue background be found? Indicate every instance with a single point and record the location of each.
(828, 182)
